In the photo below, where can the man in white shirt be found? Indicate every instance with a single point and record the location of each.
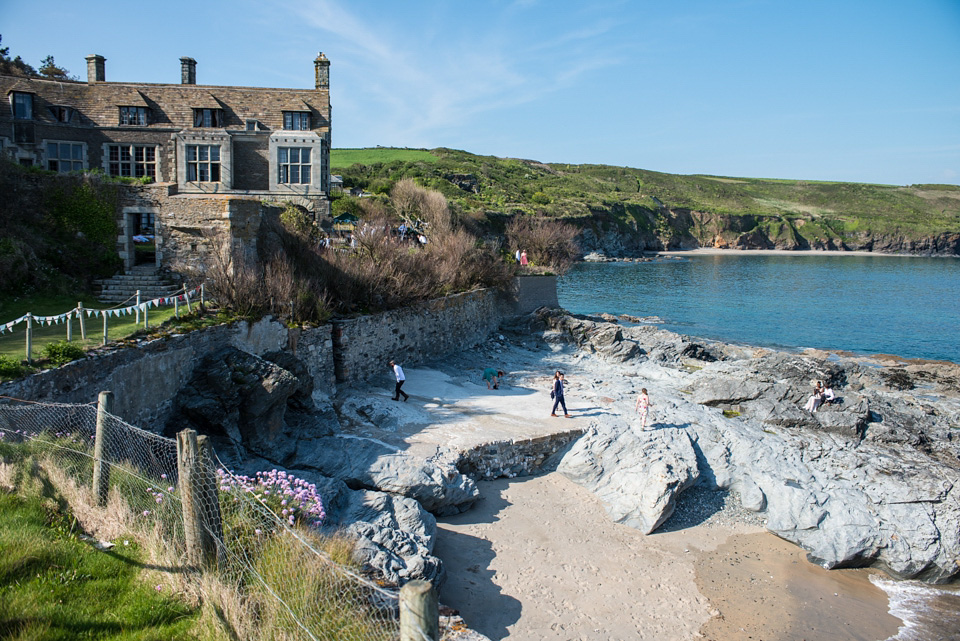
(398, 372)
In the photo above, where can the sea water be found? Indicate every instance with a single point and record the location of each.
(869, 304)
(903, 305)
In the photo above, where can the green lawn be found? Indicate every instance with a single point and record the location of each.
(340, 158)
(13, 344)
(53, 586)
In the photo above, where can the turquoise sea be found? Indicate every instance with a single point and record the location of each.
(869, 304)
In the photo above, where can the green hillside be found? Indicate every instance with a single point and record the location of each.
(673, 208)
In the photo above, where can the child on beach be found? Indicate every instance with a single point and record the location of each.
(492, 375)
(643, 407)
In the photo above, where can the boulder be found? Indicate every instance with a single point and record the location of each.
(370, 464)
(638, 476)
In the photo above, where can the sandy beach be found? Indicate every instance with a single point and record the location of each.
(538, 557)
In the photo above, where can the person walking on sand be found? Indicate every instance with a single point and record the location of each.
(398, 372)
(643, 407)
(491, 375)
(523, 258)
(557, 395)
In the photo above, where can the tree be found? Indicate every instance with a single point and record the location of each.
(16, 66)
(50, 69)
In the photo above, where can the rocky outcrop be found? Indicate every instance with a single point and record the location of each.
(261, 412)
(871, 480)
(679, 228)
(637, 475)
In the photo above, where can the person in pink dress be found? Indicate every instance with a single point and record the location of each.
(643, 407)
(523, 258)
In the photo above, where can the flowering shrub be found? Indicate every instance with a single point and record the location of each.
(291, 498)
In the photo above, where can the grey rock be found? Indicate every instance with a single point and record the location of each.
(637, 476)
(395, 536)
(370, 464)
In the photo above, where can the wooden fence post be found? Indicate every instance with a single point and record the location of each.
(70, 326)
(101, 469)
(202, 523)
(419, 612)
(83, 322)
(105, 315)
(137, 311)
(29, 336)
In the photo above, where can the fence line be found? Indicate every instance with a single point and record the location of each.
(274, 567)
(82, 313)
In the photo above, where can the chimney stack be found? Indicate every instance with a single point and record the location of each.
(321, 68)
(96, 70)
(188, 71)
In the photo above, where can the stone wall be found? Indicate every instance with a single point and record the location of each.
(515, 458)
(532, 292)
(363, 346)
(146, 379)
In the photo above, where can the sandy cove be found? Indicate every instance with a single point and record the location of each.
(538, 557)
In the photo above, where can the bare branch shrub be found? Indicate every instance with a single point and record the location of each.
(548, 243)
(232, 279)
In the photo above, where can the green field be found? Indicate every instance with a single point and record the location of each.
(341, 158)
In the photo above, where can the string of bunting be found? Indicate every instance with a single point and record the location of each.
(122, 311)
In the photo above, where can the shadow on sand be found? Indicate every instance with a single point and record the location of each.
(470, 587)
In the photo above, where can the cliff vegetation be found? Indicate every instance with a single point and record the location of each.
(624, 211)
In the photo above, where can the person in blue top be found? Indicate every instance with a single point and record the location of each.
(491, 375)
(557, 395)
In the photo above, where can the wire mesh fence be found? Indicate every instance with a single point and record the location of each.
(249, 547)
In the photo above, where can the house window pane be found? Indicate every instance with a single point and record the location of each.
(294, 163)
(78, 152)
(203, 163)
(132, 160)
(52, 150)
(22, 106)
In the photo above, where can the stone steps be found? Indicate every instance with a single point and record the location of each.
(123, 287)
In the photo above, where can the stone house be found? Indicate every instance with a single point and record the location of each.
(212, 153)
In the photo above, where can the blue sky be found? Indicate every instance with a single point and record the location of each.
(849, 90)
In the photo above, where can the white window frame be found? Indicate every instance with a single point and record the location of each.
(76, 160)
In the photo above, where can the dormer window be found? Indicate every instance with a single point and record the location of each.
(61, 113)
(133, 116)
(207, 117)
(296, 120)
(22, 105)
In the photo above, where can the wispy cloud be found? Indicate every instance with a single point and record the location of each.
(410, 84)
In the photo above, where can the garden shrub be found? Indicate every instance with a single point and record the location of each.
(62, 352)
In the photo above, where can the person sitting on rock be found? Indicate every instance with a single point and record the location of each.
(829, 396)
(491, 375)
(816, 399)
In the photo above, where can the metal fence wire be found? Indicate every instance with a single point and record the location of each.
(276, 574)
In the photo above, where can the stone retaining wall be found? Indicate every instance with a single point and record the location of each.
(363, 346)
(145, 379)
(514, 458)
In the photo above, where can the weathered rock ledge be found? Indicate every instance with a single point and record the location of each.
(869, 481)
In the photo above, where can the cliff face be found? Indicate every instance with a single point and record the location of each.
(671, 229)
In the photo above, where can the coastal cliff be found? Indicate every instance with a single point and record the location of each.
(672, 229)
(624, 211)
